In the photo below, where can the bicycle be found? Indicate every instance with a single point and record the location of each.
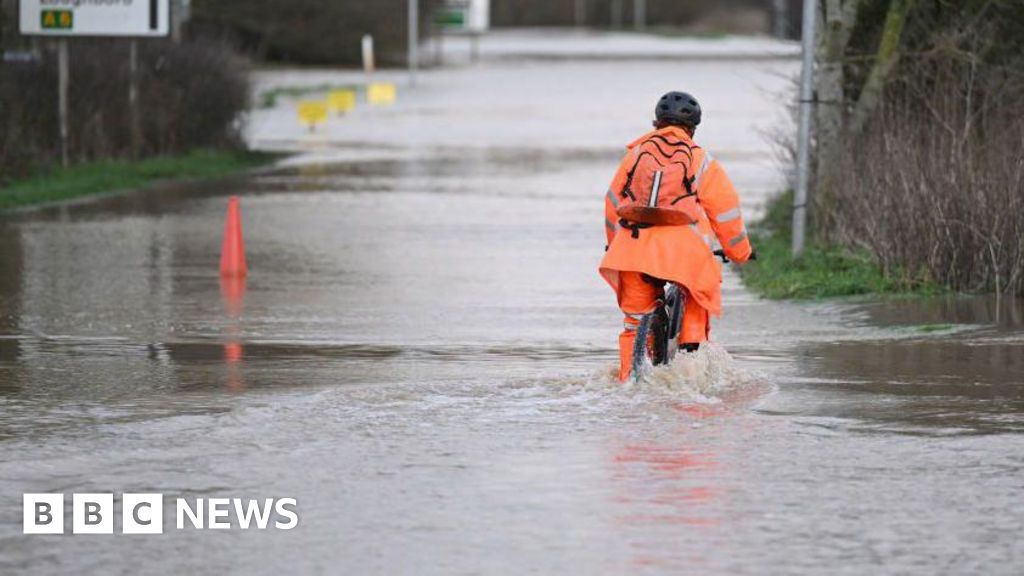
(662, 325)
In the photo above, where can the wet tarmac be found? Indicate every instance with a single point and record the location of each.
(421, 356)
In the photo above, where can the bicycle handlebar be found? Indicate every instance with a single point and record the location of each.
(725, 259)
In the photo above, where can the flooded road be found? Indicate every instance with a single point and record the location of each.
(421, 355)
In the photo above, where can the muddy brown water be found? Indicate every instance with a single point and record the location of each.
(453, 413)
(420, 356)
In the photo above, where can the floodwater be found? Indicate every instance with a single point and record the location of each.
(421, 355)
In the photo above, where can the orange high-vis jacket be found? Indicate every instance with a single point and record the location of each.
(680, 254)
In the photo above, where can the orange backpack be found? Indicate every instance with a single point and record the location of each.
(659, 188)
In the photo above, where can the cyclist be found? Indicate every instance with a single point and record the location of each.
(643, 254)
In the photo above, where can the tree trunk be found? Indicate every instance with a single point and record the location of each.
(885, 61)
(838, 19)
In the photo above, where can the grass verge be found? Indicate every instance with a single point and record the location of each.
(269, 98)
(823, 271)
(112, 175)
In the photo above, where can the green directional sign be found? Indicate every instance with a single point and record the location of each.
(57, 19)
(451, 17)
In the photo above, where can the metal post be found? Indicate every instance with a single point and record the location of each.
(62, 98)
(133, 97)
(804, 135)
(580, 13)
(414, 40)
(639, 14)
(616, 14)
(369, 58)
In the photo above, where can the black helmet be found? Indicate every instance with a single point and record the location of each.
(678, 108)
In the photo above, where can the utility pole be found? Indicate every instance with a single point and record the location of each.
(804, 135)
(639, 14)
(414, 40)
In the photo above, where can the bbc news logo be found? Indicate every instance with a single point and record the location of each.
(144, 513)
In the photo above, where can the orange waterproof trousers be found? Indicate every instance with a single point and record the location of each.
(638, 297)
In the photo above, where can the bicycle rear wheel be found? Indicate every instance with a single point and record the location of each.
(650, 345)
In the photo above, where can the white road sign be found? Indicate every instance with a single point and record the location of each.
(95, 17)
(465, 15)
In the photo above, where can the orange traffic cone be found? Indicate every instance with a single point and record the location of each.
(232, 253)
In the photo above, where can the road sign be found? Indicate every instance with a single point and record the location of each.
(380, 93)
(464, 15)
(57, 19)
(342, 101)
(461, 17)
(312, 112)
(95, 17)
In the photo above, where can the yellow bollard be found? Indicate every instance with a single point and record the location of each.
(380, 93)
(342, 101)
(312, 112)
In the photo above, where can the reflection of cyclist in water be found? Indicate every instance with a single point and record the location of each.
(667, 199)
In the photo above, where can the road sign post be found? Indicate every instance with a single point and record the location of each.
(62, 98)
(133, 97)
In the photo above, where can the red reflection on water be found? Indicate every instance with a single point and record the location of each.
(232, 291)
(670, 460)
(671, 482)
(700, 411)
(233, 352)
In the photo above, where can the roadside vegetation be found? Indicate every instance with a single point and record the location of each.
(823, 271)
(319, 32)
(919, 176)
(671, 17)
(311, 31)
(268, 98)
(109, 176)
(192, 100)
